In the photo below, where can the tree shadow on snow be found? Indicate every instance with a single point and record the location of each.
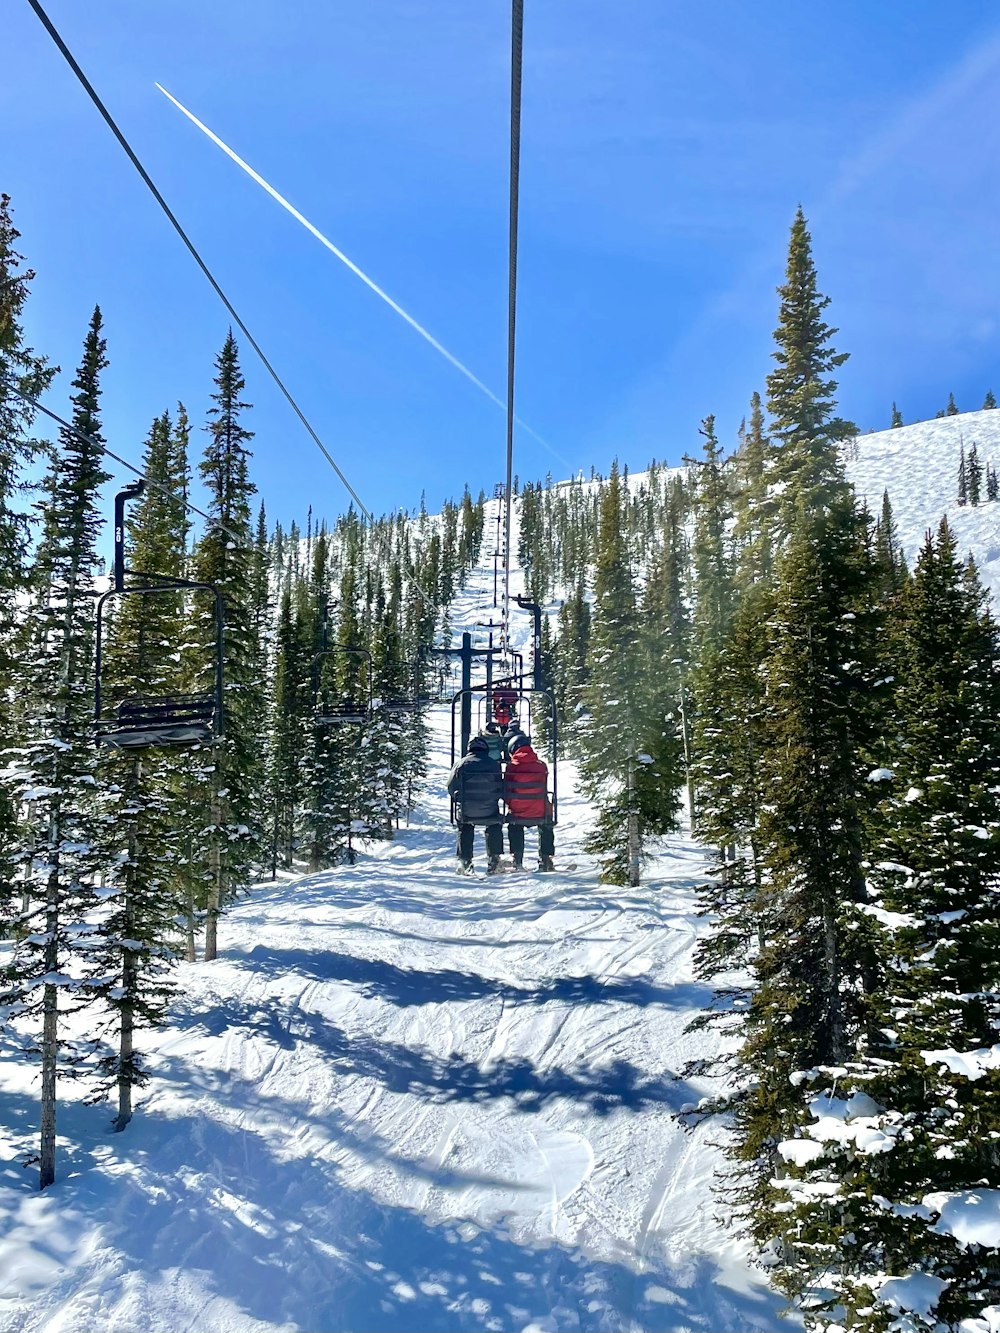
(282, 1239)
(603, 1088)
(405, 986)
(371, 886)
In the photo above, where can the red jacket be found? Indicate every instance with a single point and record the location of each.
(525, 785)
(504, 704)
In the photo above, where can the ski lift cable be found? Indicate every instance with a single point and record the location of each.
(189, 244)
(95, 443)
(516, 45)
(109, 120)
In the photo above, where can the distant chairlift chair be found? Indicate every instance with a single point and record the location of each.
(334, 709)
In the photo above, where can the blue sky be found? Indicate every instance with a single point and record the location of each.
(665, 148)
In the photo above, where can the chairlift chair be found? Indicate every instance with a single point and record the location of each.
(332, 708)
(528, 696)
(144, 721)
(415, 699)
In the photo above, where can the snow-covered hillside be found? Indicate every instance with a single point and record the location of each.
(918, 465)
(402, 1100)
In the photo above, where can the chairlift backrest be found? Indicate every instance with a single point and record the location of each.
(349, 707)
(144, 720)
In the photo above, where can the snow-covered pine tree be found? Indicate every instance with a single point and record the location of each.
(992, 484)
(21, 368)
(148, 810)
(804, 1009)
(54, 767)
(912, 1138)
(234, 837)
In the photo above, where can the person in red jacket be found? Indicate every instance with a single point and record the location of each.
(525, 790)
(504, 704)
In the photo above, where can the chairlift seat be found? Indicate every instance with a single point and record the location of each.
(178, 719)
(347, 713)
(408, 705)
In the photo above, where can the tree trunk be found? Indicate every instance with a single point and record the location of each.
(50, 1023)
(190, 948)
(50, 1052)
(125, 1051)
(634, 841)
(216, 867)
(686, 738)
(126, 1010)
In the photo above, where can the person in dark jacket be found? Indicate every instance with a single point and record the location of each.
(525, 790)
(510, 733)
(477, 786)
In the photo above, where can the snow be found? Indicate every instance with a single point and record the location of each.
(917, 1292)
(970, 1064)
(971, 1216)
(918, 465)
(402, 1099)
(800, 1151)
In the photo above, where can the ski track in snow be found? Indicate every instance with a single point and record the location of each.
(401, 1100)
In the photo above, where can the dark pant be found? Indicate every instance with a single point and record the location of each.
(546, 841)
(493, 834)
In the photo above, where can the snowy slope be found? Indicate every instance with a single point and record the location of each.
(402, 1100)
(918, 465)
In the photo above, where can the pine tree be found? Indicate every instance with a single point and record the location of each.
(149, 812)
(571, 654)
(714, 606)
(989, 400)
(615, 698)
(888, 554)
(992, 486)
(804, 1009)
(228, 564)
(800, 391)
(973, 475)
(21, 369)
(897, 418)
(919, 1100)
(963, 477)
(952, 409)
(55, 764)
(754, 524)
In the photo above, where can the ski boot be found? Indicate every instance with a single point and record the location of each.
(465, 867)
(493, 865)
(546, 865)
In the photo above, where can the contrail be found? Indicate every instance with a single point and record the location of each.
(360, 273)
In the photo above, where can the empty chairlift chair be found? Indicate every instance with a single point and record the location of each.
(130, 713)
(336, 705)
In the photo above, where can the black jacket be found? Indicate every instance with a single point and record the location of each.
(476, 784)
